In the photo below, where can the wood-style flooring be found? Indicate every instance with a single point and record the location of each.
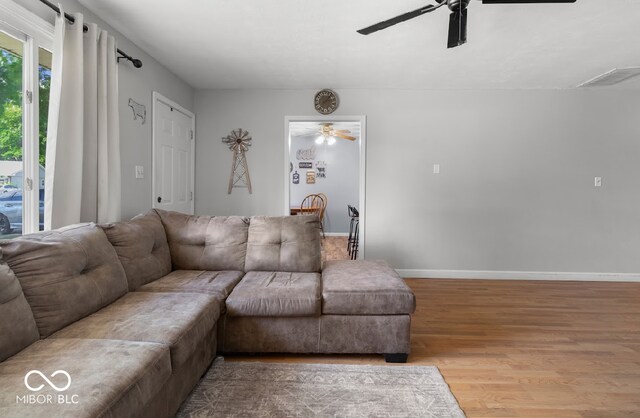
(334, 248)
(524, 348)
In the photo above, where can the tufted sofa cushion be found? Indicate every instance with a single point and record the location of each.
(17, 325)
(66, 274)
(285, 243)
(205, 242)
(141, 245)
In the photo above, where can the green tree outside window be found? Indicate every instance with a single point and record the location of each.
(11, 107)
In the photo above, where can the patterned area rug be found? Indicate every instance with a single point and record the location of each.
(236, 389)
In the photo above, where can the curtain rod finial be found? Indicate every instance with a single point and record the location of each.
(136, 62)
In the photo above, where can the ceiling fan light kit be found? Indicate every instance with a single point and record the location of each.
(457, 18)
(329, 140)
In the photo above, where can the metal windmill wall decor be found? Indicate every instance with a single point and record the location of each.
(239, 142)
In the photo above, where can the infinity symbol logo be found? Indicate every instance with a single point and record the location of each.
(38, 372)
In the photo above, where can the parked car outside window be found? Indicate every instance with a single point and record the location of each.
(11, 211)
(5, 188)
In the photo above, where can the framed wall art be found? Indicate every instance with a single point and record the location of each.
(311, 177)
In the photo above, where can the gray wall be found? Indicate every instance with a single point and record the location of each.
(515, 191)
(341, 184)
(135, 139)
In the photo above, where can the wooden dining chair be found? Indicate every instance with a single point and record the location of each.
(325, 201)
(313, 204)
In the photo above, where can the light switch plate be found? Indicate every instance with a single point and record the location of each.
(597, 182)
(436, 169)
(139, 172)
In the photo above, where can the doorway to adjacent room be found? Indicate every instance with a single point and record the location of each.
(325, 156)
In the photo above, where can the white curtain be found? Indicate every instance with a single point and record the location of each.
(82, 182)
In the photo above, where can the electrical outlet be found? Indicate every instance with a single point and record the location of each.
(436, 169)
(597, 182)
(139, 172)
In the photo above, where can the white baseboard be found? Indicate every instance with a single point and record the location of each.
(518, 275)
(336, 234)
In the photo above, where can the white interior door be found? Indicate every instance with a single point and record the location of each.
(173, 155)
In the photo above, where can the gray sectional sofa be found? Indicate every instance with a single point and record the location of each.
(121, 320)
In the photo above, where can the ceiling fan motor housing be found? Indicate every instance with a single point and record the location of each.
(455, 5)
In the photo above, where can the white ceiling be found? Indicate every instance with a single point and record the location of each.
(313, 44)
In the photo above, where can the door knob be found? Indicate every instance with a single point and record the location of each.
(159, 199)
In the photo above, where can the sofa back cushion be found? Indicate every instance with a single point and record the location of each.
(66, 274)
(141, 245)
(17, 325)
(206, 242)
(284, 243)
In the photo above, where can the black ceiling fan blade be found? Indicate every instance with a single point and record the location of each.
(525, 1)
(398, 19)
(457, 28)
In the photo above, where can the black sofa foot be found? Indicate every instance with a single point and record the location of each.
(396, 357)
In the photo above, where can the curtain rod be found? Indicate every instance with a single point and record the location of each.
(136, 62)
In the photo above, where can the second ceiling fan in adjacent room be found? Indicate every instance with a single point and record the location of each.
(327, 131)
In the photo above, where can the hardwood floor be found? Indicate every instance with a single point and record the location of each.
(525, 348)
(334, 248)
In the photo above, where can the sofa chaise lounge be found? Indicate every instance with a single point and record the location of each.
(122, 319)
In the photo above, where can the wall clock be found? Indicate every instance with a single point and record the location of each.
(326, 101)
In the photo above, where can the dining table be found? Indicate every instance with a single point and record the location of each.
(297, 210)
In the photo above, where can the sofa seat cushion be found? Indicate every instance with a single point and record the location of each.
(108, 378)
(17, 325)
(141, 245)
(179, 320)
(267, 293)
(351, 287)
(65, 274)
(219, 283)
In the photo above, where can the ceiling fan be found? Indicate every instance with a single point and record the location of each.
(457, 18)
(329, 134)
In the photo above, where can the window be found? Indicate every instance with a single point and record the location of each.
(25, 77)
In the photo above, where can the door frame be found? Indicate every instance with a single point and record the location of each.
(157, 97)
(362, 165)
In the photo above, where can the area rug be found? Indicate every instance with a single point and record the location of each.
(246, 389)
